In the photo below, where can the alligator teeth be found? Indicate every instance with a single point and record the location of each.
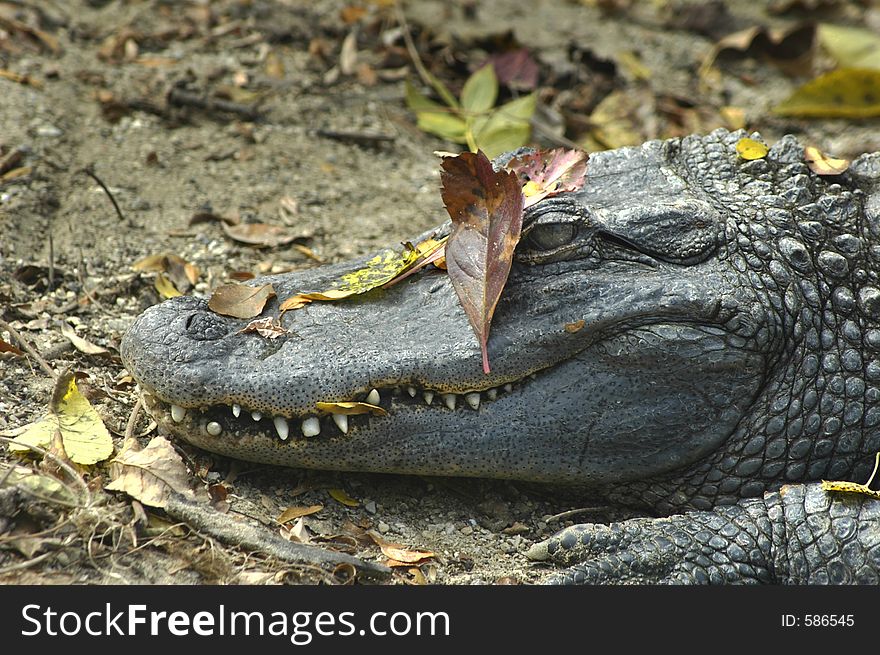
(281, 426)
(311, 427)
(373, 397)
(411, 391)
(508, 387)
(341, 421)
(213, 428)
(236, 410)
(492, 394)
(428, 396)
(256, 416)
(177, 413)
(449, 399)
(473, 399)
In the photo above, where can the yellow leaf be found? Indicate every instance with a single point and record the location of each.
(166, 287)
(480, 91)
(293, 513)
(750, 149)
(351, 408)
(340, 496)
(382, 268)
(855, 487)
(844, 93)
(83, 434)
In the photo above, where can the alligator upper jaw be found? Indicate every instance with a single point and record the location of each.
(604, 373)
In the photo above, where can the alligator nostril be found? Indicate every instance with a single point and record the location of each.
(206, 326)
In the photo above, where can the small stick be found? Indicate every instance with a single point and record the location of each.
(132, 422)
(30, 349)
(180, 97)
(363, 138)
(574, 512)
(88, 171)
(51, 261)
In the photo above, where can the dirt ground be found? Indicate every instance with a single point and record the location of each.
(333, 154)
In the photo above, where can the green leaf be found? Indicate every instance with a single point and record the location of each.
(444, 93)
(446, 126)
(851, 46)
(480, 91)
(417, 101)
(506, 128)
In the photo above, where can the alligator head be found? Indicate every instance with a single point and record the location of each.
(646, 321)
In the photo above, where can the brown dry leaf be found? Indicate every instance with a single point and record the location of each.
(82, 345)
(273, 66)
(265, 327)
(340, 496)
(239, 300)
(486, 208)
(351, 408)
(577, 326)
(822, 164)
(151, 475)
(261, 234)
(181, 273)
(294, 302)
(348, 54)
(398, 554)
(9, 348)
(293, 513)
(790, 49)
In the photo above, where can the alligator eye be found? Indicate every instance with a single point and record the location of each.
(551, 236)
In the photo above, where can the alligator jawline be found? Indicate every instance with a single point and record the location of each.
(219, 421)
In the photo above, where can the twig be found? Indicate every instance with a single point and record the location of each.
(26, 564)
(91, 173)
(182, 98)
(132, 422)
(423, 72)
(210, 522)
(51, 261)
(362, 138)
(574, 512)
(30, 349)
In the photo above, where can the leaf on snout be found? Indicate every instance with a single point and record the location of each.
(239, 300)
(351, 408)
(822, 164)
(265, 327)
(750, 149)
(85, 438)
(377, 272)
(486, 208)
(547, 173)
(577, 326)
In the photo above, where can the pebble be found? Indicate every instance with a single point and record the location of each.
(49, 131)
(467, 530)
(383, 527)
(370, 506)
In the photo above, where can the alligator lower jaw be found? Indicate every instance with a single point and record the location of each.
(202, 425)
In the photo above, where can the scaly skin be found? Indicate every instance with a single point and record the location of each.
(730, 344)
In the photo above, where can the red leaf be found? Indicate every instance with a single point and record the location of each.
(486, 208)
(549, 172)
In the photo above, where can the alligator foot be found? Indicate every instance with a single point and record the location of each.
(798, 535)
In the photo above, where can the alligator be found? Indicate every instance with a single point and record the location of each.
(690, 332)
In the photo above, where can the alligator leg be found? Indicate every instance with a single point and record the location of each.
(798, 535)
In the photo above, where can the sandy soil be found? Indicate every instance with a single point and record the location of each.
(95, 97)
